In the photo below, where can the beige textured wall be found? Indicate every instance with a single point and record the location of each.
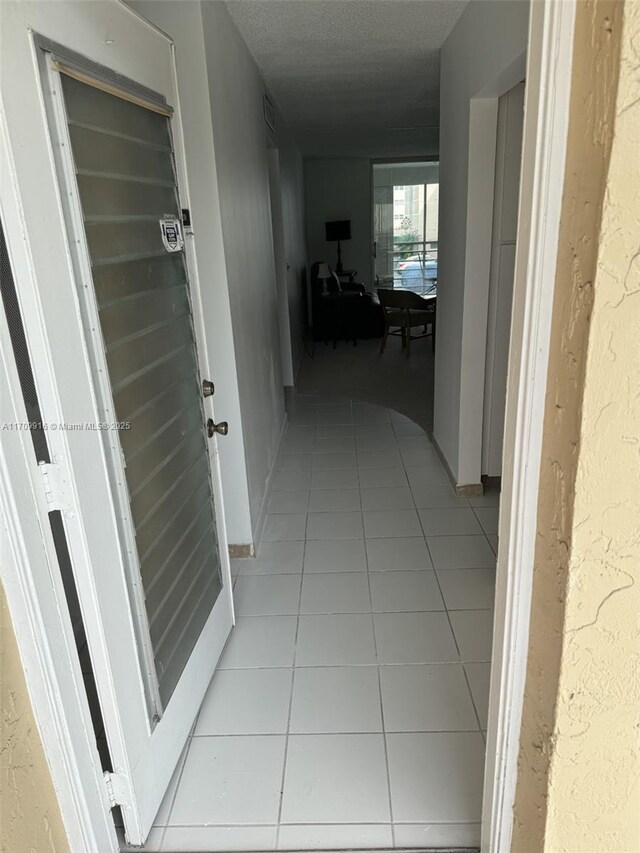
(579, 761)
(29, 815)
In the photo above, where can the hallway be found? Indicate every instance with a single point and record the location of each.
(350, 704)
(361, 373)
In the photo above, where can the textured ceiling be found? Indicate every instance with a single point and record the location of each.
(352, 77)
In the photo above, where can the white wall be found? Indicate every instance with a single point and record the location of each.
(241, 138)
(183, 22)
(280, 263)
(484, 57)
(339, 189)
(226, 139)
(292, 190)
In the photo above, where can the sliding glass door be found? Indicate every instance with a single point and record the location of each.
(405, 226)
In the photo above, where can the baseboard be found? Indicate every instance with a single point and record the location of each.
(262, 515)
(469, 490)
(466, 490)
(239, 551)
(443, 460)
(303, 350)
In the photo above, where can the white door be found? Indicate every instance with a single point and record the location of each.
(96, 146)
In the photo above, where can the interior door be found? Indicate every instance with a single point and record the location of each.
(134, 468)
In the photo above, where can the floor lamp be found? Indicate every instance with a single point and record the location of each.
(335, 232)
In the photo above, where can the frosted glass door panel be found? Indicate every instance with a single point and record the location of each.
(124, 168)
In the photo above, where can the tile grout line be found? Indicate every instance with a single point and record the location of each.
(293, 675)
(486, 535)
(473, 701)
(453, 633)
(349, 665)
(375, 650)
(482, 535)
(364, 612)
(175, 793)
(339, 572)
(464, 667)
(347, 733)
(455, 640)
(382, 720)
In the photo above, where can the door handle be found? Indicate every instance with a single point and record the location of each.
(212, 428)
(208, 388)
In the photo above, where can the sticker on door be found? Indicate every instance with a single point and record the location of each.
(171, 233)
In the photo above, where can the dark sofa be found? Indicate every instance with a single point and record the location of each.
(343, 310)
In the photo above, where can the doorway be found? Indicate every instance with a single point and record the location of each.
(405, 198)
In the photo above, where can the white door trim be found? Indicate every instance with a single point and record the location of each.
(546, 121)
(35, 595)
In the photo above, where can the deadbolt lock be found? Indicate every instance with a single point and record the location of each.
(212, 428)
(208, 388)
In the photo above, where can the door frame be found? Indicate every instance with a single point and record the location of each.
(40, 618)
(35, 595)
(546, 122)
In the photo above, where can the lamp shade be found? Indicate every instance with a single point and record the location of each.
(340, 229)
(324, 271)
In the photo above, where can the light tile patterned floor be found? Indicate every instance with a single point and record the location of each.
(350, 703)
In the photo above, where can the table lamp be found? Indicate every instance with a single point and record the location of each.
(323, 274)
(336, 231)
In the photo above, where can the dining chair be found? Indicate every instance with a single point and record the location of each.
(405, 310)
